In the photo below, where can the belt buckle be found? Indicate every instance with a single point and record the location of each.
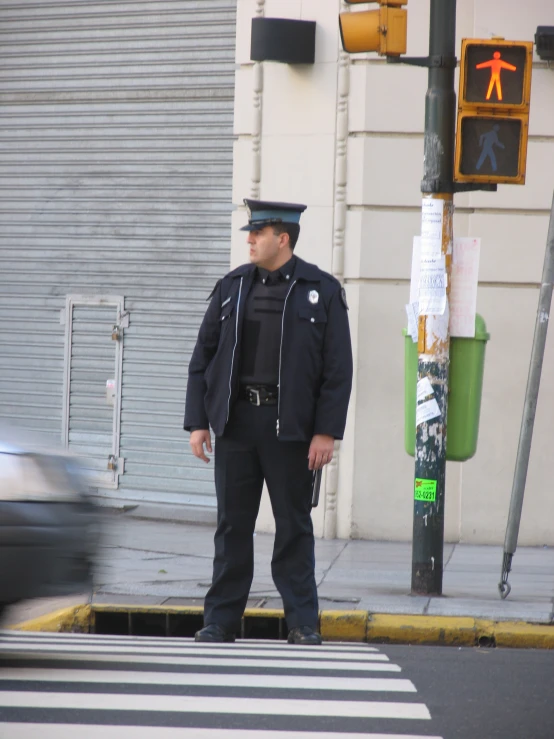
(256, 393)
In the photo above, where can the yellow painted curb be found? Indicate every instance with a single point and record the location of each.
(343, 625)
(75, 619)
(386, 628)
(354, 626)
(523, 635)
(458, 631)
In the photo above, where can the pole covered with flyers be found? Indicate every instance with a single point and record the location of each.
(437, 189)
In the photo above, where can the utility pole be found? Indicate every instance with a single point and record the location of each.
(437, 189)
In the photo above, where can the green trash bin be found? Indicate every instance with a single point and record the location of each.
(465, 385)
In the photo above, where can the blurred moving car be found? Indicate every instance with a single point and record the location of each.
(48, 526)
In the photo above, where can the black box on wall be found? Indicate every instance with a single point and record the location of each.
(282, 40)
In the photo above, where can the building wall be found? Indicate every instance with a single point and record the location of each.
(346, 137)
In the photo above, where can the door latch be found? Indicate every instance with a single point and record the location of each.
(111, 392)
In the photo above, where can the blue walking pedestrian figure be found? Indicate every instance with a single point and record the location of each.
(487, 141)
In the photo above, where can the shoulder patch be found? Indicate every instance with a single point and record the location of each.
(343, 297)
(217, 284)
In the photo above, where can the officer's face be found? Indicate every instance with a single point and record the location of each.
(266, 249)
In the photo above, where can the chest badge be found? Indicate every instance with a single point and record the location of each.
(313, 297)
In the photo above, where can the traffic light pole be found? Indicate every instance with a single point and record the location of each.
(433, 333)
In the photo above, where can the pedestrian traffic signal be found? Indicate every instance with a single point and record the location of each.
(493, 111)
(491, 149)
(383, 30)
(496, 73)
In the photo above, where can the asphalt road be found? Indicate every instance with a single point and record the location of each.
(67, 685)
(482, 693)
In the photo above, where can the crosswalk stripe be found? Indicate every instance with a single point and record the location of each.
(361, 652)
(154, 659)
(202, 704)
(109, 640)
(191, 648)
(70, 731)
(192, 662)
(209, 679)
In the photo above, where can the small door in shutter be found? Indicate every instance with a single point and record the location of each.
(92, 384)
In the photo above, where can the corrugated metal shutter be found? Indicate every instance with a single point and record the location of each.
(115, 178)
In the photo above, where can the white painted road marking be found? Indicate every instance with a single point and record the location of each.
(185, 649)
(75, 685)
(293, 682)
(70, 731)
(86, 655)
(201, 704)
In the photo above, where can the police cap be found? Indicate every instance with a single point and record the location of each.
(262, 213)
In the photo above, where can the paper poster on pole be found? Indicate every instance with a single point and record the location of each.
(427, 411)
(432, 212)
(463, 293)
(414, 280)
(464, 281)
(412, 313)
(424, 389)
(428, 281)
(432, 287)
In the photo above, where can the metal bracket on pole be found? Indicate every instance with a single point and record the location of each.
(472, 186)
(435, 61)
(435, 185)
(529, 409)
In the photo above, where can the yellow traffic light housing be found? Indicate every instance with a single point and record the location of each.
(493, 111)
(383, 30)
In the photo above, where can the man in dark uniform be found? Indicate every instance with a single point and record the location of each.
(271, 373)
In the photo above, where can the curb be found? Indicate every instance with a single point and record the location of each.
(74, 619)
(348, 626)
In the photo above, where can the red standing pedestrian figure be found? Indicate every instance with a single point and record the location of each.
(496, 65)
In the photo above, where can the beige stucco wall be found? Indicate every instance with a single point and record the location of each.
(301, 131)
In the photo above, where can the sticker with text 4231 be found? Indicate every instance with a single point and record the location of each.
(425, 490)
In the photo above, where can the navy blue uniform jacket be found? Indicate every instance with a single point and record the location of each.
(315, 373)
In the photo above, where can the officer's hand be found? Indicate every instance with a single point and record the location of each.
(321, 451)
(197, 440)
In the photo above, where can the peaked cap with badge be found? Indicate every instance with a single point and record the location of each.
(262, 213)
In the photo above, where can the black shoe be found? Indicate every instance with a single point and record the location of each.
(214, 633)
(304, 635)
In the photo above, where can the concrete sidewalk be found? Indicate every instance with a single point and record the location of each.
(149, 563)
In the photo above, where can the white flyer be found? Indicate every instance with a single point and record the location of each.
(432, 287)
(464, 281)
(432, 212)
(416, 259)
(424, 388)
(427, 411)
(463, 291)
(412, 312)
(428, 281)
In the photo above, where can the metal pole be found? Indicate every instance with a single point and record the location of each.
(433, 334)
(529, 409)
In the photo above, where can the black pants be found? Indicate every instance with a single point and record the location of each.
(247, 454)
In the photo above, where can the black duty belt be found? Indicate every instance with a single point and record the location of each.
(260, 394)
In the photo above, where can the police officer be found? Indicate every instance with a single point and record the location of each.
(271, 373)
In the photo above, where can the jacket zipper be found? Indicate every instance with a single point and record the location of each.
(233, 355)
(281, 356)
